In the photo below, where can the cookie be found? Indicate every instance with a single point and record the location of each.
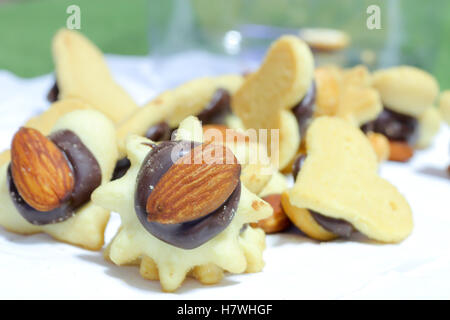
(281, 87)
(338, 184)
(82, 73)
(45, 121)
(174, 105)
(147, 235)
(408, 119)
(429, 124)
(444, 106)
(53, 194)
(405, 89)
(321, 39)
(347, 94)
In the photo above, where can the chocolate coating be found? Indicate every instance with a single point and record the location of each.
(87, 175)
(297, 165)
(304, 110)
(339, 227)
(159, 132)
(187, 235)
(53, 94)
(121, 168)
(217, 108)
(395, 126)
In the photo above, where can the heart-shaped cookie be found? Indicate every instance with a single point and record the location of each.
(339, 180)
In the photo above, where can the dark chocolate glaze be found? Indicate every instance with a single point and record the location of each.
(187, 235)
(395, 126)
(159, 132)
(121, 168)
(339, 227)
(87, 171)
(297, 165)
(217, 108)
(304, 110)
(87, 176)
(53, 94)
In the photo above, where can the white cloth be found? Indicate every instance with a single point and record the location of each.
(296, 267)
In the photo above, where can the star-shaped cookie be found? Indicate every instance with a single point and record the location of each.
(233, 249)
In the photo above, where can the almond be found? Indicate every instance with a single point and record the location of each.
(41, 172)
(400, 151)
(195, 185)
(278, 221)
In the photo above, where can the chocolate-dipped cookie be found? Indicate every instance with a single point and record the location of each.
(182, 206)
(48, 183)
(409, 119)
(338, 191)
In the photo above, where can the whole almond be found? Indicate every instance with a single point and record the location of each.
(41, 172)
(400, 151)
(196, 185)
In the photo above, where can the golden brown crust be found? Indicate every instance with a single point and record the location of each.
(303, 220)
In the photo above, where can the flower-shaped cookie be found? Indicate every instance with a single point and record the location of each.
(82, 73)
(280, 95)
(338, 190)
(183, 217)
(48, 184)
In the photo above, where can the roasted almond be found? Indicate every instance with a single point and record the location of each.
(41, 172)
(195, 185)
(278, 221)
(400, 151)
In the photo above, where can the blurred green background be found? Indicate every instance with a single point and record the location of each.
(417, 31)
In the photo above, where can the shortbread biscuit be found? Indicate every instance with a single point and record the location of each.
(444, 106)
(86, 227)
(339, 180)
(279, 85)
(174, 105)
(429, 124)
(224, 250)
(322, 39)
(347, 94)
(405, 89)
(82, 73)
